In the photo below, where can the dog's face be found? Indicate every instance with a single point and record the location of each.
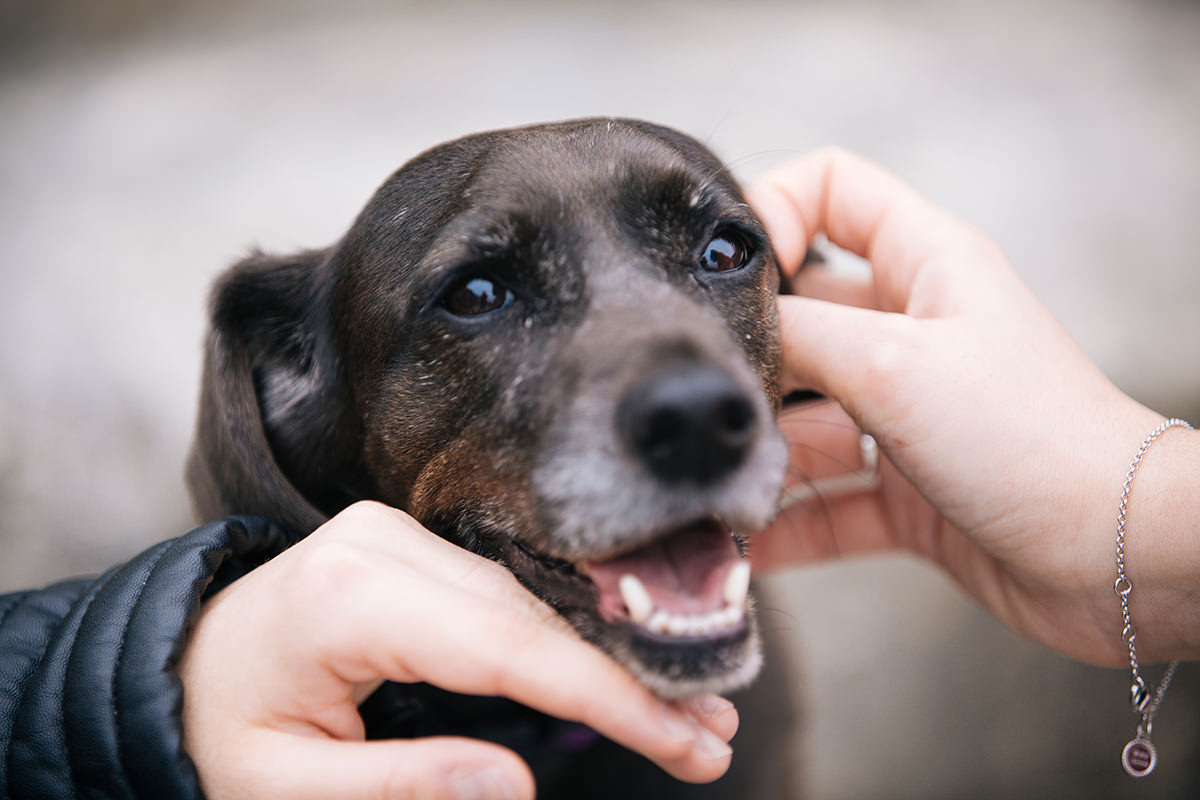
(556, 346)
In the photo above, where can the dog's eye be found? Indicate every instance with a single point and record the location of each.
(727, 251)
(473, 296)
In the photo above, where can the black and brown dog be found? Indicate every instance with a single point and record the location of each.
(556, 346)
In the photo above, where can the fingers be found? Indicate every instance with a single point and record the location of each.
(439, 614)
(512, 645)
(857, 356)
(713, 712)
(820, 282)
(443, 768)
(862, 208)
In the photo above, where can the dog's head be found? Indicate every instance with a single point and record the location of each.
(556, 346)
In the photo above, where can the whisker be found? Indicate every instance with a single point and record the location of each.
(822, 504)
(848, 466)
(764, 610)
(728, 166)
(713, 131)
(790, 151)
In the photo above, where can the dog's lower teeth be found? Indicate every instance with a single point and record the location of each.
(667, 624)
(642, 611)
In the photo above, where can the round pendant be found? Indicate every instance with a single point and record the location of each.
(1139, 758)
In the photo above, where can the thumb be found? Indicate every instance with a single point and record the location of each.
(857, 356)
(438, 768)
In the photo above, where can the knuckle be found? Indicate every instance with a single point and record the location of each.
(834, 155)
(330, 568)
(365, 513)
(983, 243)
(976, 247)
(888, 359)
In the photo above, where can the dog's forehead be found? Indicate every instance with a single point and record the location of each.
(556, 168)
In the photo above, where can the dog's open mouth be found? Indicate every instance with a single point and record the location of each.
(687, 587)
(675, 610)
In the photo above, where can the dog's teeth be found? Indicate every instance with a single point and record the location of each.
(731, 616)
(737, 584)
(664, 622)
(636, 598)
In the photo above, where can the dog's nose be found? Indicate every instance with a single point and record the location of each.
(688, 424)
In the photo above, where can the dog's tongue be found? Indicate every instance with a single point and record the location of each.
(684, 572)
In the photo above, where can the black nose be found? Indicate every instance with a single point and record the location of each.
(688, 424)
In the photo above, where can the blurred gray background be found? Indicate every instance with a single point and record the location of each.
(145, 145)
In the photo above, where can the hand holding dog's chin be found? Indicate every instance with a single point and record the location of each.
(1006, 448)
(278, 662)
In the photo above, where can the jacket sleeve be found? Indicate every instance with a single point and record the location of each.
(89, 699)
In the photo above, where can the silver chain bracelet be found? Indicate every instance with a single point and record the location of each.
(1139, 756)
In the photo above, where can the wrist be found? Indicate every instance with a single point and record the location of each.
(1162, 560)
(1074, 585)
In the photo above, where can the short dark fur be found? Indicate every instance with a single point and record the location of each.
(337, 375)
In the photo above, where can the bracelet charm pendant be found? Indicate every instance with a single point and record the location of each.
(1139, 757)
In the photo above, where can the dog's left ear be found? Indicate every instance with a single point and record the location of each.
(272, 421)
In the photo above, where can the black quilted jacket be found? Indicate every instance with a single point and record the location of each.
(89, 700)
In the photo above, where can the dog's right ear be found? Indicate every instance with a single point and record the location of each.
(272, 421)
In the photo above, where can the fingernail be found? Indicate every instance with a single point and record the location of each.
(707, 706)
(710, 746)
(484, 784)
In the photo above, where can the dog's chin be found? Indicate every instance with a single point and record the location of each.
(675, 612)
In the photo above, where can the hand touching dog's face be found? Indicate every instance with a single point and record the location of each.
(555, 345)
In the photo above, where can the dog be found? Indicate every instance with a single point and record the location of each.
(556, 346)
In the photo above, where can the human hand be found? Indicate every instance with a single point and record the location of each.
(1005, 447)
(279, 661)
